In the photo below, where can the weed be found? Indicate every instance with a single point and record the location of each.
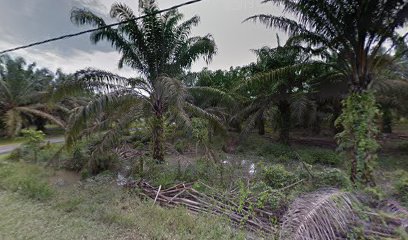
(276, 176)
(401, 186)
(321, 156)
(403, 147)
(28, 180)
(331, 178)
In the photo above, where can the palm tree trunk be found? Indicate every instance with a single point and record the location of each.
(260, 122)
(158, 138)
(285, 122)
(359, 129)
(386, 120)
(158, 132)
(40, 124)
(337, 107)
(353, 168)
(317, 126)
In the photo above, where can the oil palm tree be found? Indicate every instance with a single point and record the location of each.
(23, 92)
(354, 31)
(391, 87)
(159, 48)
(279, 81)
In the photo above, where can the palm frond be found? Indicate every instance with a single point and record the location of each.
(107, 104)
(213, 93)
(201, 113)
(13, 121)
(323, 215)
(272, 76)
(285, 24)
(249, 125)
(35, 112)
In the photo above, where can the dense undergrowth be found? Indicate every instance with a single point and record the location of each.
(275, 173)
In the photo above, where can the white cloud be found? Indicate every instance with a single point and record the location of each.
(42, 19)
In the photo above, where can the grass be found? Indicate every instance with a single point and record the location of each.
(24, 219)
(3, 157)
(8, 141)
(28, 180)
(93, 209)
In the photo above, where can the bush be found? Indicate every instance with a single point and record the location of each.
(277, 151)
(181, 146)
(321, 156)
(331, 178)
(79, 158)
(374, 193)
(401, 186)
(276, 176)
(403, 147)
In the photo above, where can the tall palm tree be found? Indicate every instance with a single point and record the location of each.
(160, 49)
(354, 31)
(23, 93)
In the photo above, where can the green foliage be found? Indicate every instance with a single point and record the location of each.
(97, 209)
(374, 193)
(268, 196)
(25, 90)
(321, 156)
(181, 146)
(31, 149)
(200, 130)
(401, 186)
(33, 138)
(276, 151)
(403, 147)
(276, 176)
(79, 157)
(160, 49)
(358, 139)
(331, 178)
(27, 180)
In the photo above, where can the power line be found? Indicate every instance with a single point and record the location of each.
(99, 28)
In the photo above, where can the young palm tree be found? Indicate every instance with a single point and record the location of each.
(391, 86)
(355, 32)
(160, 49)
(23, 92)
(279, 80)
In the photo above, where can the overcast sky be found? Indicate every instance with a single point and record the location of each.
(25, 21)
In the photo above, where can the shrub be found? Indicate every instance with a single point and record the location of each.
(79, 158)
(276, 150)
(331, 178)
(401, 185)
(321, 156)
(276, 176)
(181, 146)
(374, 193)
(403, 147)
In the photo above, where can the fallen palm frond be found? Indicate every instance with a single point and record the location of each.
(322, 215)
(333, 214)
(184, 195)
(326, 214)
